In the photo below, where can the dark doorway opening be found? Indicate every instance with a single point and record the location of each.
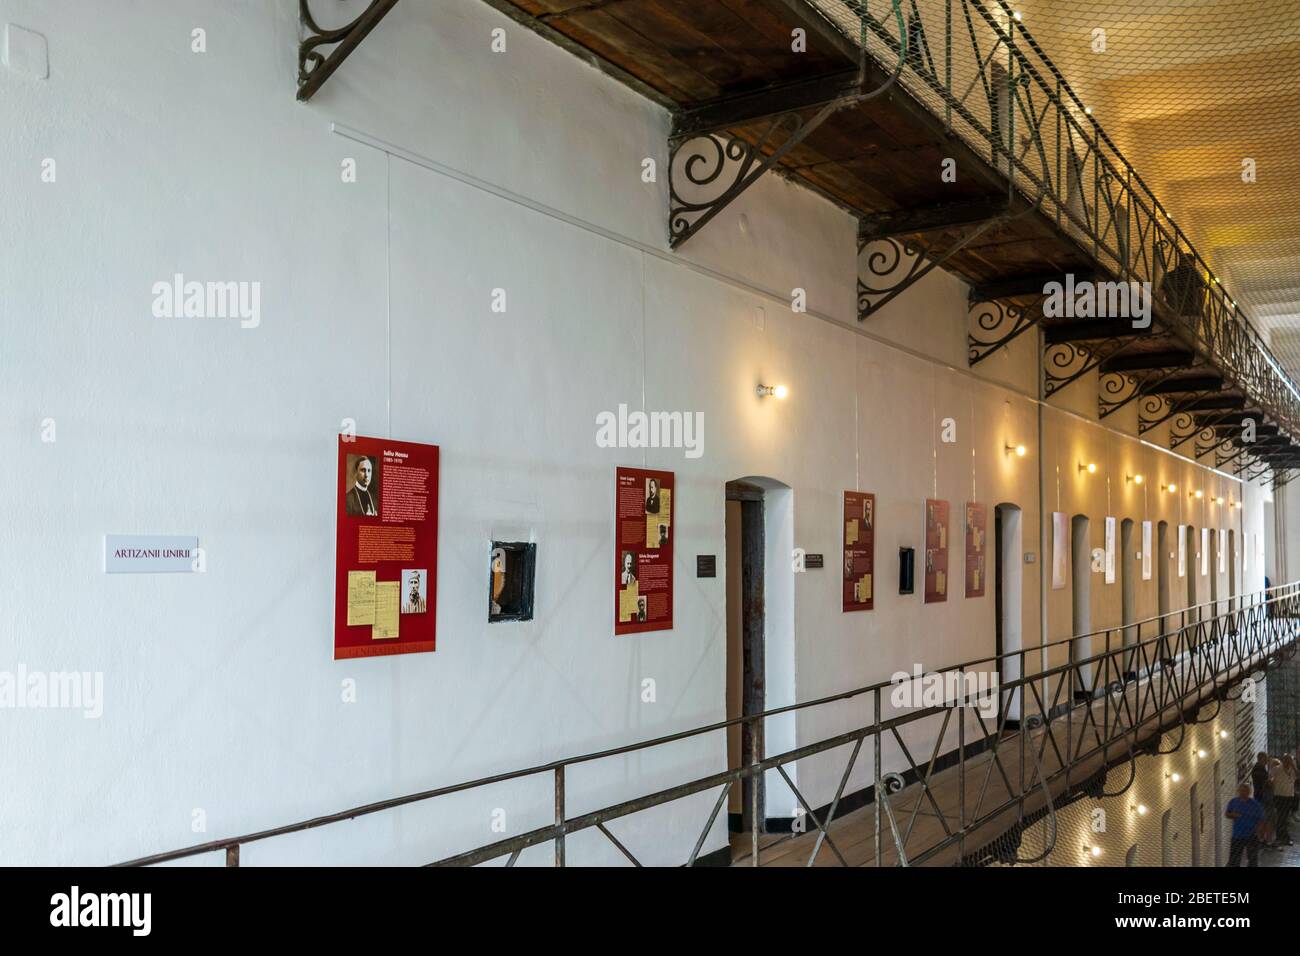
(745, 645)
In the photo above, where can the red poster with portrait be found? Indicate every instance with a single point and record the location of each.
(936, 550)
(976, 548)
(386, 547)
(859, 551)
(643, 550)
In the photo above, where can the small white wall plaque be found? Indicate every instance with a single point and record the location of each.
(149, 553)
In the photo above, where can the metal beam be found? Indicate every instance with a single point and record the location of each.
(1086, 330)
(1188, 383)
(745, 109)
(313, 68)
(1143, 361)
(906, 222)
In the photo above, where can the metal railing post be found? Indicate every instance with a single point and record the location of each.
(879, 784)
(559, 814)
(755, 779)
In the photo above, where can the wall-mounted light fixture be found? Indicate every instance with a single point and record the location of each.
(1223, 735)
(1136, 479)
(1090, 467)
(1219, 500)
(1140, 809)
(776, 391)
(1093, 851)
(1019, 16)
(1171, 488)
(1175, 776)
(1202, 753)
(1198, 493)
(1017, 450)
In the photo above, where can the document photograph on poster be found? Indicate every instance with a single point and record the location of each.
(386, 547)
(643, 550)
(936, 550)
(859, 518)
(976, 548)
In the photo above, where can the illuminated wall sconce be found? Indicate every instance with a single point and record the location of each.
(1174, 777)
(1093, 851)
(1202, 753)
(1140, 809)
(1019, 16)
(1136, 479)
(1198, 494)
(1223, 735)
(1171, 488)
(776, 391)
(1090, 467)
(1234, 504)
(1218, 500)
(1017, 450)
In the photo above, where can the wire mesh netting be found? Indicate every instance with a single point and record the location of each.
(1200, 98)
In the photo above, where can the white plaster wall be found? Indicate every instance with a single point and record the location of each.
(518, 171)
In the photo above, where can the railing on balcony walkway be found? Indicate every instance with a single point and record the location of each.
(974, 65)
(1082, 704)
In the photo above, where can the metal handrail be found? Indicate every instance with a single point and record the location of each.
(1118, 214)
(1168, 645)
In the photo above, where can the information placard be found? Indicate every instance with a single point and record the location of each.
(936, 550)
(976, 548)
(859, 591)
(386, 548)
(643, 550)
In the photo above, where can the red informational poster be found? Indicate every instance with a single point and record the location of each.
(859, 551)
(386, 551)
(643, 551)
(936, 550)
(976, 547)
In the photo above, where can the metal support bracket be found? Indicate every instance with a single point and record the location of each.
(895, 265)
(708, 170)
(995, 323)
(314, 68)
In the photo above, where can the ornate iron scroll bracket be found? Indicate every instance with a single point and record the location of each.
(1067, 362)
(1184, 428)
(1208, 440)
(1115, 390)
(995, 323)
(314, 67)
(706, 172)
(888, 275)
(1153, 411)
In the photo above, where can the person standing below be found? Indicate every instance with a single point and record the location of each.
(1264, 797)
(1282, 776)
(1259, 777)
(1246, 815)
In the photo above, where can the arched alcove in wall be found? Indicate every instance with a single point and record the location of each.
(1008, 591)
(1081, 600)
(760, 635)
